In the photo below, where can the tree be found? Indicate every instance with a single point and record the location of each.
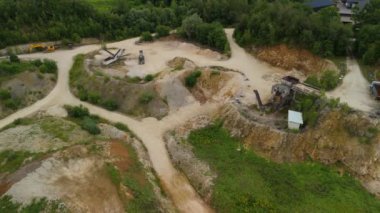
(162, 31)
(190, 24)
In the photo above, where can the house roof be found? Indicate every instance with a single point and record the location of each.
(315, 4)
(295, 117)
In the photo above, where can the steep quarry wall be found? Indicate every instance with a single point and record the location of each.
(347, 140)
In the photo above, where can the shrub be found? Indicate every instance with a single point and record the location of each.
(48, 66)
(162, 31)
(12, 103)
(191, 80)
(146, 97)
(121, 127)
(148, 78)
(110, 105)
(146, 36)
(4, 94)
(329, 80)
(313, 81)
(77, 111)
(90, 125)
(93, 97)
(13, 58)
(37, 62)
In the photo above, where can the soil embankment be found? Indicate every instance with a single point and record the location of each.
(346, 140)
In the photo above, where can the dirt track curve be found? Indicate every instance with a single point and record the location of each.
(150, 130)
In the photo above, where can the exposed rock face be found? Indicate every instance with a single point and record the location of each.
(346, 140)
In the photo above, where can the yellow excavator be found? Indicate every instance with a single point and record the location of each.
(42, 47)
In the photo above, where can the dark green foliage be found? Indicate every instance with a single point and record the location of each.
(248, 183)
(122, 127)
(146, 36)
(149, 78)
(4, 94)
(309, 107)
(271, 23)
(13, 58)
(77, 111)
(146, 97)
(328, 81)
(110, 105)
(12, 103)
(191, 80)
(48, 66)
(162, 31)
(90, 125)
(368, 34)
(213, 35)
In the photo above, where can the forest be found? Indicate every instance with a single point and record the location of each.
(257, 22)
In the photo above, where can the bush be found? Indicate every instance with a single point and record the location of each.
(13, 58)
(146, 97)
(148, 78)
(48, 66)
(4, 94)
(329, 80)
(37, 62)
(162, 31)
(146, 36)
(90, 126)
(110, 105)
(93, 97)
(121, 127)
(77, 111)
(191, 80)
(12, 103)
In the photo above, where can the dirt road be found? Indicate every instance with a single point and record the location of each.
(149, 130)
(355, 89)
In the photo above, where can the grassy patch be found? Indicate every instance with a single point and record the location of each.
(249, 183)
(11, 160)
(135, 179)
(37, 205)
(58, 128)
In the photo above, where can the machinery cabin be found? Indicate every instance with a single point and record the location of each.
(375, 89)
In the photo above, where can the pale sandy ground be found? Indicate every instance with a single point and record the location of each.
(150, 130)
(355, 89)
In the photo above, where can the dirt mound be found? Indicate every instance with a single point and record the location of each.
(290, 58)
(210, 84)
(179, 63)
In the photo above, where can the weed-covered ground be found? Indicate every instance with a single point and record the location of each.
(39, 149)
(249, 183)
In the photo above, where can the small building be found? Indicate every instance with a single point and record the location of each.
(295, 120)
(319, 4)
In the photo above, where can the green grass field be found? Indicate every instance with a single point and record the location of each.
(249, 183)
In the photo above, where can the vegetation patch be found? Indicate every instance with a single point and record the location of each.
(192, 78)
(135, 179)
(36, 206)
(81, 116)
(328, 81)
(247, 182)
(11, 160)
